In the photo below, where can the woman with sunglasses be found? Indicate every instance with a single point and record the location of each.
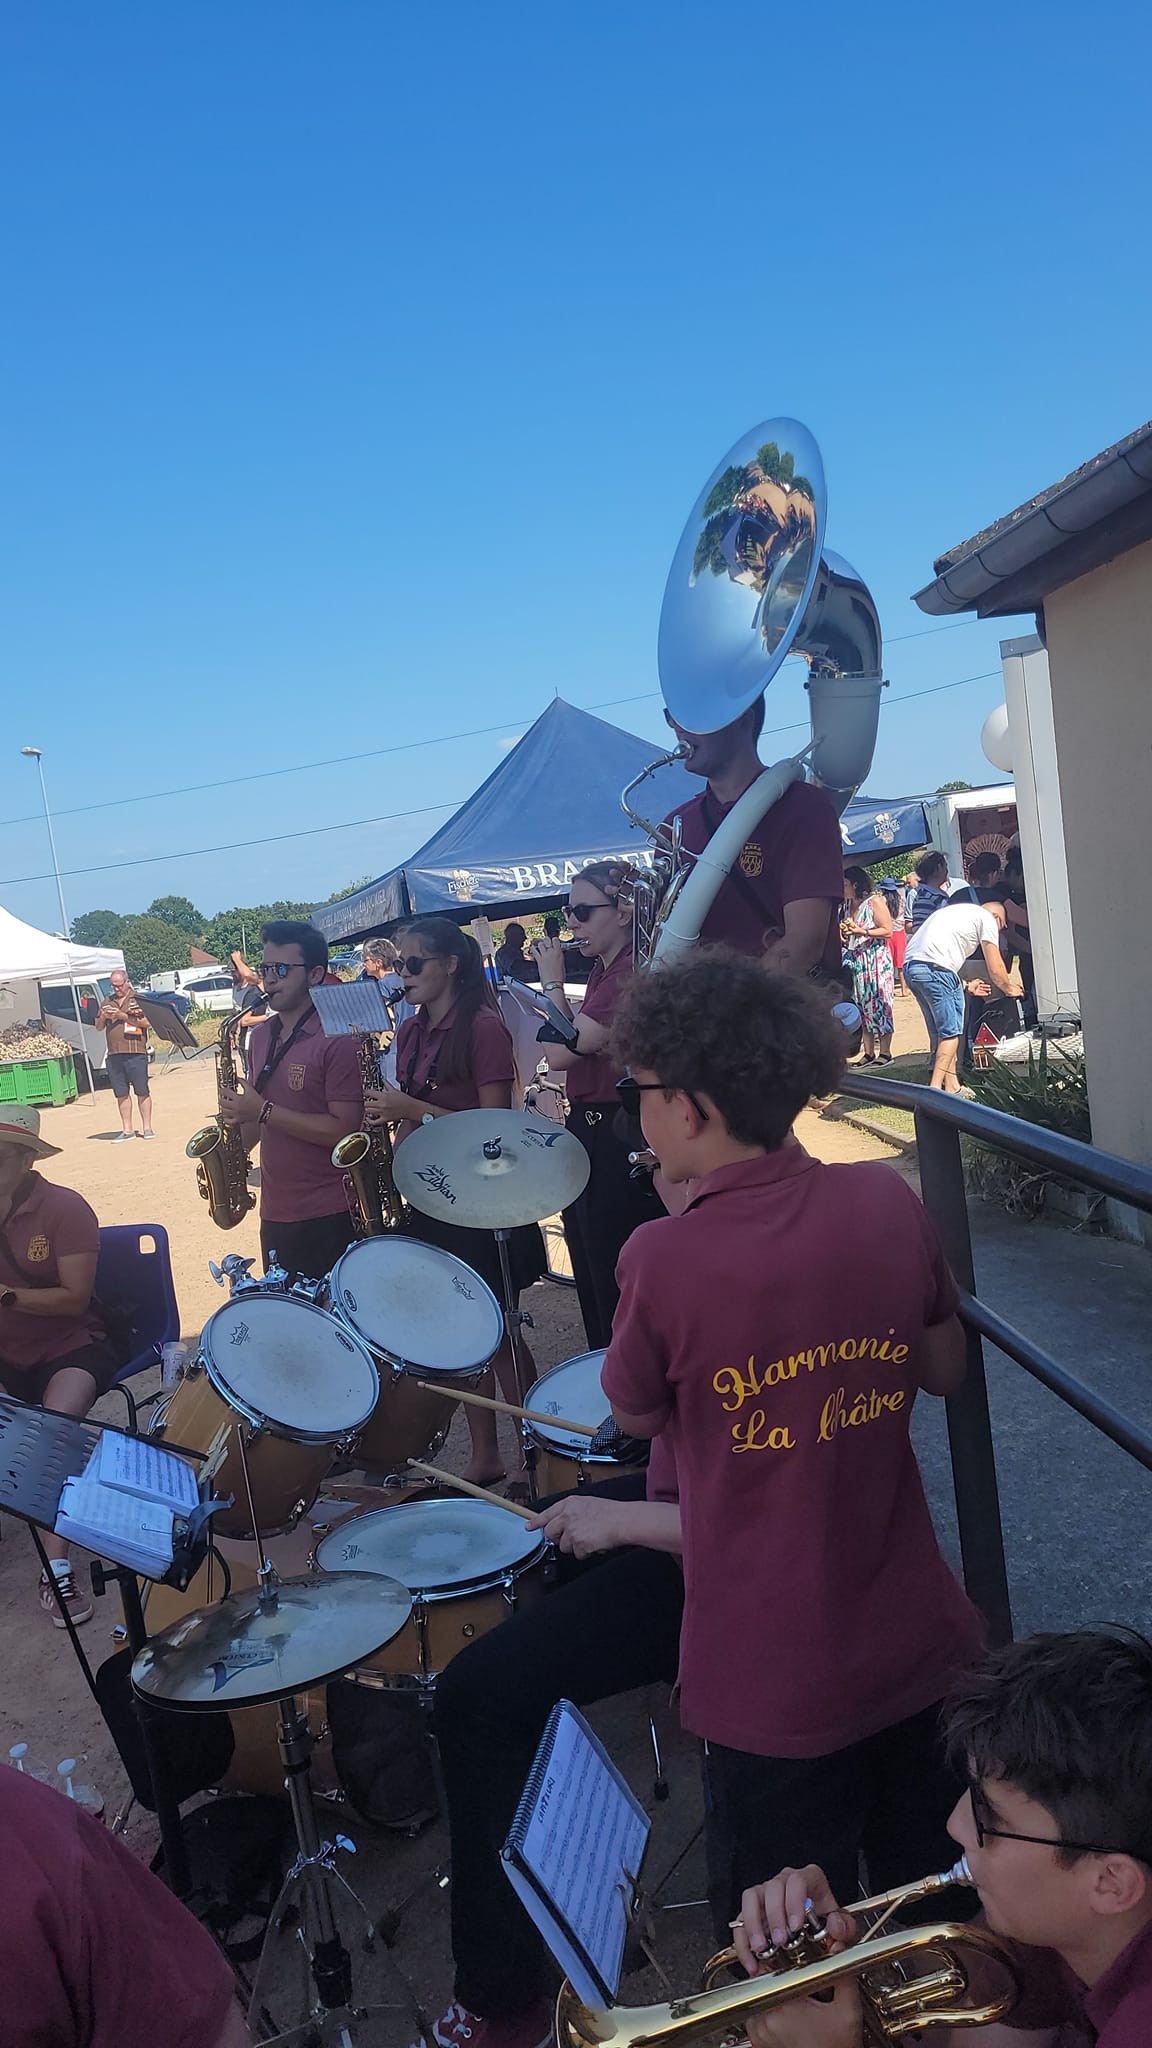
(456, 1054)
(613, 1204)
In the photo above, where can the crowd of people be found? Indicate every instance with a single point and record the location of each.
(768, 1323)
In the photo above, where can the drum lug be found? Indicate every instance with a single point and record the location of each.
(508, 1589)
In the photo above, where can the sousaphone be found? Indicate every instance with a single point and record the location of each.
(752, 582)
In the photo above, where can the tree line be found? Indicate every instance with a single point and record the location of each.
(161, 937)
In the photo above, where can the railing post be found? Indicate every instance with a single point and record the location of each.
(969, 1423)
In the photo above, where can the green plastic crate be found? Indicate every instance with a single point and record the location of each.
(49, 1081)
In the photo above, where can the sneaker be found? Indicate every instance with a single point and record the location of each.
(146, 1134)
(459, 2028)
(78, 1604)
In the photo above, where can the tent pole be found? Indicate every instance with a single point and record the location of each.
(66, 933)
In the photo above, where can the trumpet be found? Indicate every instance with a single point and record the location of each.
(896, 2002)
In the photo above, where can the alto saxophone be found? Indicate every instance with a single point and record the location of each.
(365, 1158)
(218, 1148)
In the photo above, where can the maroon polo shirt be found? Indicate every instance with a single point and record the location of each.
(594, 1079)
(419, 1050)
(94, 1951)
(297, 1179)
(795, 852)
(47, 1224)
(776, 1324)
(1114, 2012)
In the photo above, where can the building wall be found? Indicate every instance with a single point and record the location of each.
(1099, 633)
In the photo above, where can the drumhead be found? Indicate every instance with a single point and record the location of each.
(291, 1365)
(571, 1389)
(421, 1308)
(434, 1547)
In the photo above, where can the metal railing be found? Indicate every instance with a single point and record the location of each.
(940, 1122)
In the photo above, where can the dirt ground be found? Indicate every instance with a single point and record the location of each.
(45, 1699)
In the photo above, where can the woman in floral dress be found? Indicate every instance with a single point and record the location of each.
(866, 927)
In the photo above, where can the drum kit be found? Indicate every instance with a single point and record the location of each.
(362, 1366)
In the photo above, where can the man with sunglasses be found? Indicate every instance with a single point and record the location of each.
(783, 891)
(302, 1095)
(1055, 1737)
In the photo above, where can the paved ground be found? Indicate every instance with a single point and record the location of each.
(1075, 1510)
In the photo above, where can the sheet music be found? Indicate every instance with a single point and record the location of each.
(116, 1525)
(347, 1006)
(581, 1841)
(134, 1466)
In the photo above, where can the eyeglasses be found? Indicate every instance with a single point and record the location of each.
(414, 964)
(984, 1832)
(581, 912)
(630, 1092)
(280, 969)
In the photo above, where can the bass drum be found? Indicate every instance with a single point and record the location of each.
(467, 1564)
(424, 1315)
(294, 1381)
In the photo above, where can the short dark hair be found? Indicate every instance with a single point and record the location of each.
(758, 1044)
(861, 881)
(931, 864)
(292, 931)
(514, 934)
(984, 864)
(1067, 1720)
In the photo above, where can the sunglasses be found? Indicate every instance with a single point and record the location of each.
(579, 913)
(984, 1832)
(414, 964)
(630, 1092)
(280, 969)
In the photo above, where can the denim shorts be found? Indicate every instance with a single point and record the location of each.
(940, 995)
(128, 1070)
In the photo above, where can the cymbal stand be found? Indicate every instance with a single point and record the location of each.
(313, 1874)
(516, 1320)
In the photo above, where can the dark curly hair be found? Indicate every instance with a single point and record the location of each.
(1067, 1720)
(757, 1043)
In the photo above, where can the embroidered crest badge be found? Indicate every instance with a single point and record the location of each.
(39, 1249)
(296, 1077)
(751, 860)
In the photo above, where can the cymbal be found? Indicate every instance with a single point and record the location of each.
(490, 1169)
(240, 1653)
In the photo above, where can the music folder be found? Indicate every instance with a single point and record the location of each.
(574, 1852)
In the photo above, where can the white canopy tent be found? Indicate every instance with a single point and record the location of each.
(29, 955)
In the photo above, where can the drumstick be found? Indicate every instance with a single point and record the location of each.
(508, 1408)
(477, 1492)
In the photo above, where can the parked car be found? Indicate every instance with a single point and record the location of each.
(214, 992)
(172, 999)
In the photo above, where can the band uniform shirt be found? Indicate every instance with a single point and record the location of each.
(594, 1078)
(47, 1224)
(778, 1328)
(420, 1045)
(298, 1180)
(795, 852)
(95, 1952)
(124, 1035)
(1114, 2012)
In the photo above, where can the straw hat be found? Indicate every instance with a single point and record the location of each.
(20, 1125)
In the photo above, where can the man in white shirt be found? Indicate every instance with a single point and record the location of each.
(932, 964)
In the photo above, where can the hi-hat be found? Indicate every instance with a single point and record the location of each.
(490, 1169)
(243, 1650)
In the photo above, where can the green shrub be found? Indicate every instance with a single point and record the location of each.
(1052, 1091)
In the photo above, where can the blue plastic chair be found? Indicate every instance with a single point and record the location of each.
(134, 1275)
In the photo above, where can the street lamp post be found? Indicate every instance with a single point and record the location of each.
(34, 753)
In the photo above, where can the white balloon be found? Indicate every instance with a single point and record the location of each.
(996, 740)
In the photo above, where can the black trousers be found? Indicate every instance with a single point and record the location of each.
(310, 1248)
(602, 1219)
(611, 1623)
(886, 1799)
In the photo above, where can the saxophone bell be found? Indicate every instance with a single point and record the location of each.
(365, 1159)
(218, 1148)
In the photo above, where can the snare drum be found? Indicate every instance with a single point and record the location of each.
(572, 1389)
(467, 1564)
(294, 1381)
(424, 1315)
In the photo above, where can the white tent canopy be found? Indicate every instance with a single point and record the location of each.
(29, 955)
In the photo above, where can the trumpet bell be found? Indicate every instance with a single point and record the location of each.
(742, 575)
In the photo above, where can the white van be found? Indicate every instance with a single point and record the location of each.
(208, 987)
(59, 1012)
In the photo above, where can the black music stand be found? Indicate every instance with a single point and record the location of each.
(171, 1028)
(39, 1451)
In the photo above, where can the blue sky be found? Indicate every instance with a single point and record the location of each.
(360, 364)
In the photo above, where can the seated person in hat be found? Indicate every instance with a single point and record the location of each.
(53, 1346)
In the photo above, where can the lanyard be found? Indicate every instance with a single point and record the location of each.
(276, 1052)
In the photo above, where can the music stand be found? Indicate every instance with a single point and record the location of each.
(39, 1451)
(171, 1028)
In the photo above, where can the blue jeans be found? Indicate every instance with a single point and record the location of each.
(940, 995)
